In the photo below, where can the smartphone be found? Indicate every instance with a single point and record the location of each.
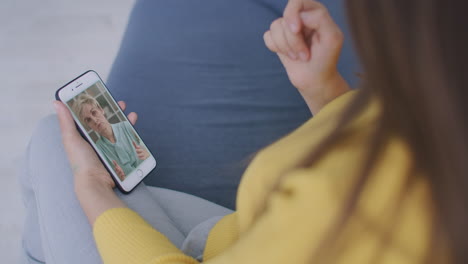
(102, 123)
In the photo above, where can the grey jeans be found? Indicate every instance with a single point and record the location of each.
(56, 229)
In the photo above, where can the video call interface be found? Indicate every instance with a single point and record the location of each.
(109, 130)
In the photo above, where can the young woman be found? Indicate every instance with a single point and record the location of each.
(376, 176)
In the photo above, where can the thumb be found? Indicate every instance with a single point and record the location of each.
(115, 163)
(67, 124)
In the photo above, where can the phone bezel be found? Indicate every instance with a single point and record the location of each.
(75, 87)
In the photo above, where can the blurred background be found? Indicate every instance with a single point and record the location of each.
(43, 45)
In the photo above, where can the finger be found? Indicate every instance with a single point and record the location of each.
(119, 170)
(277, 35)
(321, 22)
(132, 117)
(122, 105)
(269, 42)
(291, 53)
(67, 124)
(117, 167)
(296, 43)
(284, 59)
(292, 13)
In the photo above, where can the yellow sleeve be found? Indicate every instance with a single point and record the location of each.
(291, 227)
(122, 236)
(295, 222)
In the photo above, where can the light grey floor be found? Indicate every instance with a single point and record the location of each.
(44, 44)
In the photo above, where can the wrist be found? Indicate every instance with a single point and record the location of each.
(95, 198)
(87, 185)
(329, 90)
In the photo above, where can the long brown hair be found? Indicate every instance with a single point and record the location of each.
(414, 55)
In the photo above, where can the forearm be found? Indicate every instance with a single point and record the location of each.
(95, 199)
(331, 90)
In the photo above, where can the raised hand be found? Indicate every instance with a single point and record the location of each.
(141, 152)
(93, 184)
(308, 43)
(87, 168)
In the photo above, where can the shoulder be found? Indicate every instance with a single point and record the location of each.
(385, 210)
(283, 155)
(319, 193)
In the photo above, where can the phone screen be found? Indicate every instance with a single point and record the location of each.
(110, 132)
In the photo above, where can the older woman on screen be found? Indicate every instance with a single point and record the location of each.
(117, 141)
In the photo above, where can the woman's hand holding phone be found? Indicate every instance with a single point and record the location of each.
(93, 184)
(308, 43)
(88, 170)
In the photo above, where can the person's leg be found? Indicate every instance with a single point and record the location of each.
(180, 207)
(185, 210)
(56, 229)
